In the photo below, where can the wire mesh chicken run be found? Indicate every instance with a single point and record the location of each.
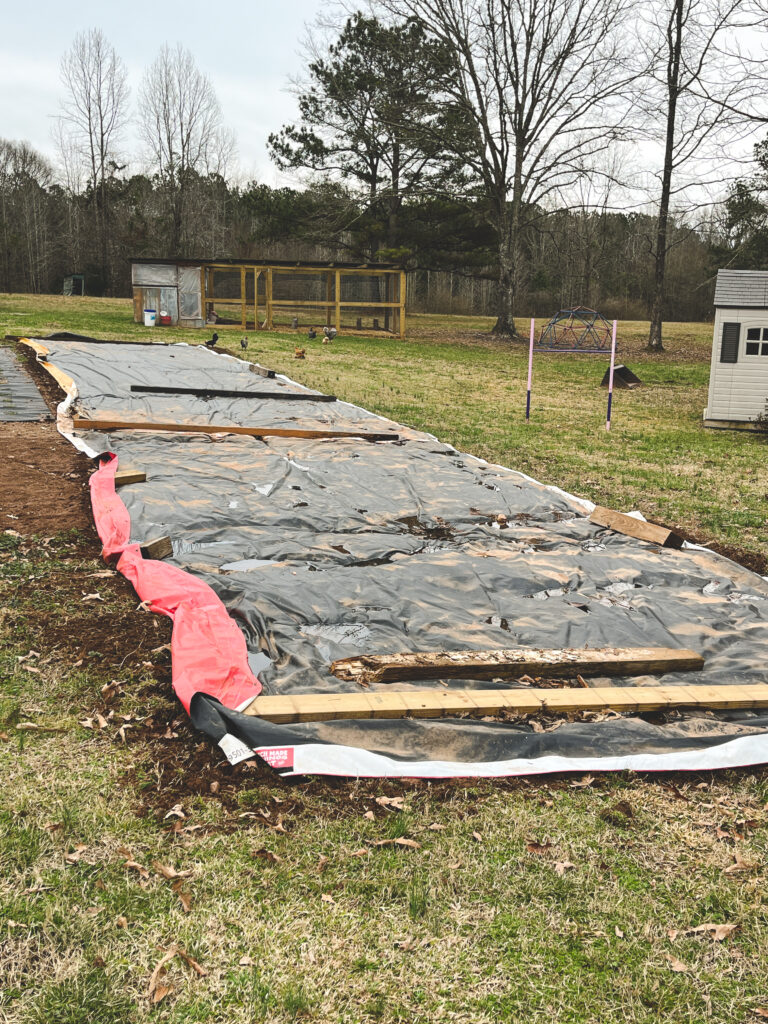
(278, 298)
(576, 330)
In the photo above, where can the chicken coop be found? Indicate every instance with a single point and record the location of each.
(258, 295)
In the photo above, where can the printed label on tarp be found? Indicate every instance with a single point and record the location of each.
(277, 757)
(234, 749)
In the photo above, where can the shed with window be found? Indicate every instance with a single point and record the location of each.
(738, 379)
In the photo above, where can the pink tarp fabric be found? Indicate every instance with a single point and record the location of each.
(208, 650)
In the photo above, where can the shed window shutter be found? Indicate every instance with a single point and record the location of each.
(729, 348)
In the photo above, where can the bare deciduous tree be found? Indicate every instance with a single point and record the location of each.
(697, 92)
(539, 81)
(181, 124)
(94, 113)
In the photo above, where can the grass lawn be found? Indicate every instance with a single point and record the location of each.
(619, 899)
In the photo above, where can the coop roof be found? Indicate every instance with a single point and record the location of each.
(258, 261)
(737, 288)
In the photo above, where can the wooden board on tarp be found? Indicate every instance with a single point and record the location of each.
(326, 707)
(638, 528)
(80, 423)
(514, 662)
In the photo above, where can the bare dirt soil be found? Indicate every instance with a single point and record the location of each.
(43, 482)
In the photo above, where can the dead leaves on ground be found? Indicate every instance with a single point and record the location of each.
(718, 932)
(170, 874)
(157, 989)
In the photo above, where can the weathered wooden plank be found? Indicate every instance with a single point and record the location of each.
(317, 707)
(280, 396)
(160, 547)
(511, 663)
(223, 428)
(621, 523)
(129, 476)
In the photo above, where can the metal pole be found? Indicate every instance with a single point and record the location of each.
(530, 373)
(610, 377)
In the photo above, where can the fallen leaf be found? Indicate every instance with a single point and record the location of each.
(246, 961)
(185, 897)
(390, 801)
(360, 853)
(154, 981)
(177, 811)
(434, 827)
(327, 898)
(196, 967)
(322, 863)
(122, 922)
(170, 873)
(739, 864)
(476, 836)
(532, 846)
(618, 932)
(267, 855)
(586, 780)
(369, 815)
(135, 866)
(214, 787)
(562, 866)
(410, 844)
(716, 931)
(160, 992)
(675, 964)
(92, 597)
(760, 1011)
(74, 856)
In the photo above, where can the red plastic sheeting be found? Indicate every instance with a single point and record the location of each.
(208, 650)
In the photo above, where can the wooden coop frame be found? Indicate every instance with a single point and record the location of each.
(253, 299)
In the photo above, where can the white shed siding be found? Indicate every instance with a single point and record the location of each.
(738, 391)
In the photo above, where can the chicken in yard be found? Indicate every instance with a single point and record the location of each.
(211, 343)
(299, 353)
(311, 333)
(244, 342)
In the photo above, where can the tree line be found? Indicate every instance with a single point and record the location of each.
(517, 156)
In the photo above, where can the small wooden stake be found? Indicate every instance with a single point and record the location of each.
(129, 476)
(160, 547)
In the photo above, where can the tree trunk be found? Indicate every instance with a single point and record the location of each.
(508, 229)
(505, 315)
(675, 36)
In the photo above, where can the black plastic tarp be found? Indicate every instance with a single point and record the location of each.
(324, 549)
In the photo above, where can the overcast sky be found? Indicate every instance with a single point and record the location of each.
(248, 50)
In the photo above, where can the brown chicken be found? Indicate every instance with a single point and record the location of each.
(299, 353)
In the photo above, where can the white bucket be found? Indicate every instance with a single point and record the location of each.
(150, 317)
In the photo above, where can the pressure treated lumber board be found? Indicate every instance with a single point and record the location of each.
(326, 707)
(223, 428)
(160, 547)
(621, 523)
(280, 396)
(129, 476)
(513, 662)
